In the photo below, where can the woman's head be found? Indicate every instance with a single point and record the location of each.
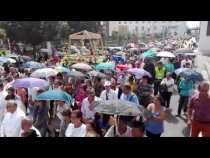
(145, 79)
(91, 126)
(67, 115)
(76, 117)
(157, 100)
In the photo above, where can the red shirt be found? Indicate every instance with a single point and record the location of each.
(201, 109)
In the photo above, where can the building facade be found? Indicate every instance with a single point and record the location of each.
(147, 27)
(204, 40)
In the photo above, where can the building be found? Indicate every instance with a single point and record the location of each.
(204, 40)
(147, 27)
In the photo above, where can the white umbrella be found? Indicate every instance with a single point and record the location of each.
(81, 66)
(166, 54)
(44, 73)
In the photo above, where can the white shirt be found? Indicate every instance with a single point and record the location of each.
(111, 95)
(33, 128)
(86, 112)
(60, 109)
(11, 124)
(169, 83)
(126, 134)
(2, 105)
(71, 131)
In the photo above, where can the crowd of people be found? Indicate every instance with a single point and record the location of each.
(21, 115)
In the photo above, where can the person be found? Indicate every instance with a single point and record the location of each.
(87, 108)
(41, 117)
(108, 93)
(11, 124)
(56, 121)
(133, 84)
(185, 87)
(81, 95)
(98, 86)
(199, 112)
(154, 119)
(144, 91)
(92, 130)
(186, 60)
(114, 86)
(122, 130)
(127, 95)
(26, 125)
(64, 124)
(169, 66)
(138, 127)
(150, 67)
(159, 75)
(2, 100)
(30, 133)
(76, 128)
(168, 81)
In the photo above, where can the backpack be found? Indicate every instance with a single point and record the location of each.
(163, 88)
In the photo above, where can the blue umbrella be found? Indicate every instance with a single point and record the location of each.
(105, 66)
(178, 71)
(62, 69)
(55, 95)
(33, 65)
(118, 58)
(191, 75)
(7, 59)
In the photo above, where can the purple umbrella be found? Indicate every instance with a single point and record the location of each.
(139, 73)
(30, 83)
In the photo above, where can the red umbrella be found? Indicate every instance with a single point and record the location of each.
(122, 67)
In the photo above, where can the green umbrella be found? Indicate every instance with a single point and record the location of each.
(149, 53)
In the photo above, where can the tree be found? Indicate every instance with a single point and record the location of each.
(77, 26)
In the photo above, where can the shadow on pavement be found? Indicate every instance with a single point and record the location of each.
(171, 118)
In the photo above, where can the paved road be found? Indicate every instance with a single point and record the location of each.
(174, 126)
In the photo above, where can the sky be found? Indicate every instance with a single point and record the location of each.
(192, 24)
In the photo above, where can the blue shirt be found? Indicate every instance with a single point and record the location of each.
(185, 88)
(130, 97)
(153, 126)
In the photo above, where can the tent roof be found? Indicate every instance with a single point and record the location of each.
(84, 35)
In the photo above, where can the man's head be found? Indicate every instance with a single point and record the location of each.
(67, 115)
(159, 64)
(145, 79)
(138, 127)
(203, 89)
(26, 123)
(11, 91)
(11, 106)
(91, 94)
(107, 85)
(113, 82)
(126, 88)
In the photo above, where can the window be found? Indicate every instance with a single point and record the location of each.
(142, 28)
(148, 29)
(137, 22)
(208, 28)
(142, 21)
(130, 22)
(125, 22)
(119, 22)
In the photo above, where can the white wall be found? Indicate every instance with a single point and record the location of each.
(204, 42)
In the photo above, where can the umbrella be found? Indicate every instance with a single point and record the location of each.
(96, 74)
(105, 66)
(118, 107)
(81, 66)
(139, 73)
(118, 58)
(44, 73)
(76, 74)
(62, 69)
(166, 54)
(122, 67)
(7, 59)
(30, 83)
(178, 71)
(191, 75)
(33, 65)
(149, 53)
(55, 95)
(24, 57)
(184, 50)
